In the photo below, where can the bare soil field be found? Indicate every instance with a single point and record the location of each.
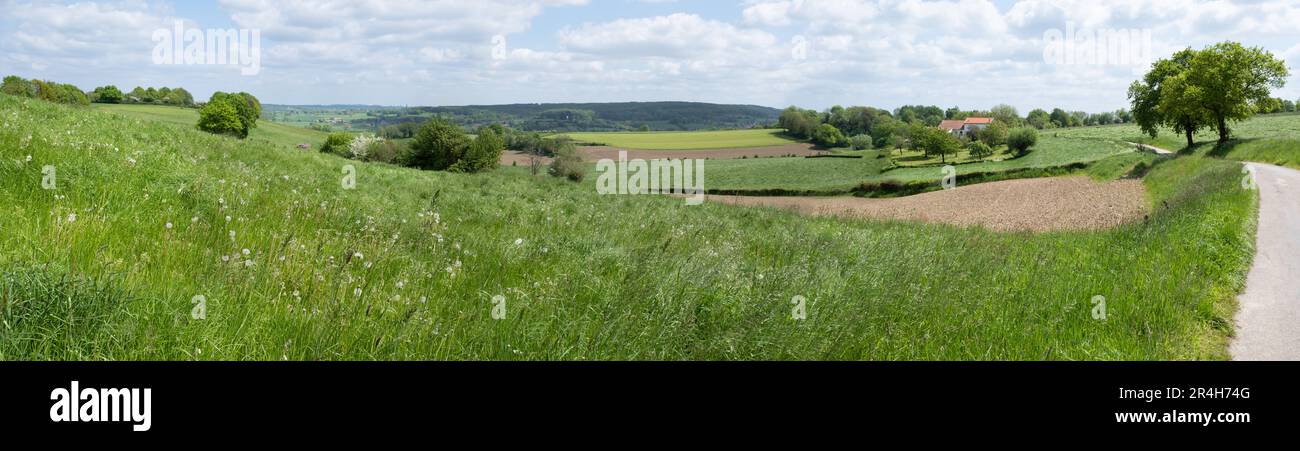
(515, 157)
(1037, 205)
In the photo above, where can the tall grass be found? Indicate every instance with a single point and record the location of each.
(406, 266)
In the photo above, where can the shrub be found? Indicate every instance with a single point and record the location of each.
(438, 145)
(861, 142)
(337, 143)
(106, 94)
(826, 135)
(1021, 139)
(359, 148)
(220, 118)
(384, 151)
(483, 154)
(567, 163)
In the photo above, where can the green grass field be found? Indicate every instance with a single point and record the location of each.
(725, 139)
(275, 133)
(411, 264)
(831, 175)
(1272, 138)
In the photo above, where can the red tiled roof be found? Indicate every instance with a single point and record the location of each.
(979, 120)
(952, 125)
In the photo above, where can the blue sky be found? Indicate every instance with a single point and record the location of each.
(812, 53)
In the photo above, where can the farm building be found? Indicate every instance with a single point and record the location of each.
(961, 127)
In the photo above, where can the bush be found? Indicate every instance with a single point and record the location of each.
(221, 118)
(827, 135)
(337, 144)
(861, 142)
(567, 163)
(247, 109)
(106, 94)
(384, 151)
(438, 145)
(359, 148)
(483, 154)
(1021, 139)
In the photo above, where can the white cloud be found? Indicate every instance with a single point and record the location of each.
(974, 53)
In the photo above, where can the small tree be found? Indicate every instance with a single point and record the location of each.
(979, 150)
(826, 135)
(106, 94)
(1021, 139)
(567, 163)
(438, 145)
(220, 118)
(483, 154)
(994, 135)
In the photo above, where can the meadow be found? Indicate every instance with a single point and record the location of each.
(724, 139)
(841, 176)
(274, 133)
(1271, 138)
(151, 219)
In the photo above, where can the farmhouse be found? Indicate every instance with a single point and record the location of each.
(961, 127)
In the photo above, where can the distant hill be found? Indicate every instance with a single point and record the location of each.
(566, 117)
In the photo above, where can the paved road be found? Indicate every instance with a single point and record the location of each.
(1268, 325)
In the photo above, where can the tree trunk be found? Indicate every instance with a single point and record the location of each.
(1189, 139)
(1223, 130)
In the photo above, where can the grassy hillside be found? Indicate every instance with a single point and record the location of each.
(281, 135)
(725, 139)
(1272, 138)
(407, 266)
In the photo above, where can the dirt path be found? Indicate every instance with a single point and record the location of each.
(1268, 325)
(1155, 150)
(1039, 205)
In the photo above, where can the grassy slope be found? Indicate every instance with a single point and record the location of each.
(1273, 138)
(725, 139)
(593, 277)
(844, 174)
(282, 135)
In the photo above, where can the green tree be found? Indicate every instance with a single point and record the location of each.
(438, 145)
(17, 86)
(1060, 118)
(1007, 114)
(1156, 105)
(220, 117)
(994, 135)
(826, 135)
(1233, 81)
(1039, 119)
(483, 154)
(107, 94)
(935, 141)
(1022, 139)
(979, 149)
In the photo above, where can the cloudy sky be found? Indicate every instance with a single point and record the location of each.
(812, 53)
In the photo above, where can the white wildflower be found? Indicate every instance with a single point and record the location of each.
(519, 241)
(168, 226)
(72, 217)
